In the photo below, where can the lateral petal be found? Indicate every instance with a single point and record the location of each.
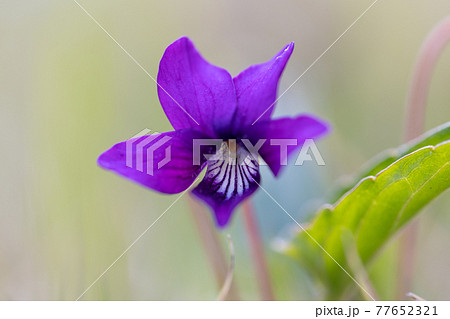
(163, 162)
(277, 131)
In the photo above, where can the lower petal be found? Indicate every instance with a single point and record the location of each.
(228, 181)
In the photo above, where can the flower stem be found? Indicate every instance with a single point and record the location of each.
(213, 247)
(229, 280)
(417, 97)
(257, 248)
(416, 104)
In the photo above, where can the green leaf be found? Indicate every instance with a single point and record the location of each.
(381, 161)
(373, 211)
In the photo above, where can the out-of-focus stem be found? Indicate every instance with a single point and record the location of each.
(227, 284)
(420, 84)
(414, 297)
(416, 104)
(257, 250)
(357, 267)
(213, 247)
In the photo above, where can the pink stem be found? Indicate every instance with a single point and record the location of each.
(421, 80)
(416, 104)
(213, 247)
(257, 248)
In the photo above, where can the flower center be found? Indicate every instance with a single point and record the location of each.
(232, 170)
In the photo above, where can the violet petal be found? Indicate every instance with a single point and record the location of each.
(300, 128)
(228, 182)
(163, 162)
(193, 92)
(256, 89)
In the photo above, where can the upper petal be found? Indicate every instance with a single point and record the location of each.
(163, 162)
(256, 89)
(193, 92)
(299, 129)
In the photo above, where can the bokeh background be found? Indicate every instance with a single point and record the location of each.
(68, 92)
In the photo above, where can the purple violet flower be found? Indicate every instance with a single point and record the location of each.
(204, 102)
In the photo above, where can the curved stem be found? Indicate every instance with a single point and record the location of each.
(257, 248)
(228, 281)
(213, 247)
(416, 104)
(420, 84)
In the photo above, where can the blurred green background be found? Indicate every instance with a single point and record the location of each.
(68, 93)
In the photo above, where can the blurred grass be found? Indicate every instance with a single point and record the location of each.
(68, 93)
